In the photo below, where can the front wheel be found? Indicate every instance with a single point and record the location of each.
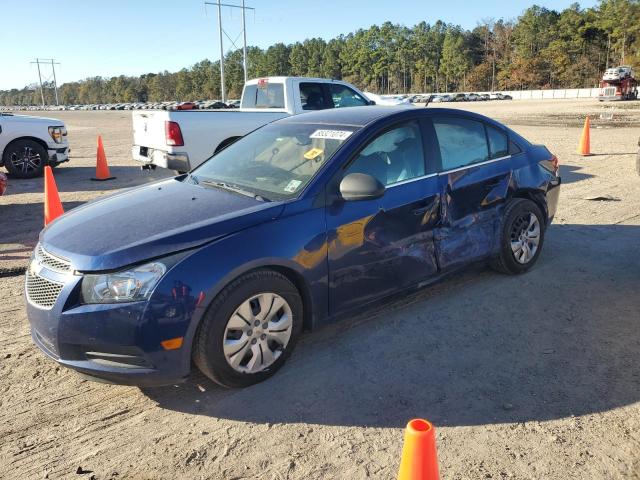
(249, 330)
(521, 237)
(25, 159)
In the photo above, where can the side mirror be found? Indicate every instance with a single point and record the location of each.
(372, 102)
(360, 186)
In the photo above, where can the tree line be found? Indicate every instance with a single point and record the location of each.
(542, 48)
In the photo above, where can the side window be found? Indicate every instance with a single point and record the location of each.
(311, 96)
(498, 142)
(393, 156)
(462, 142)
(343, 96)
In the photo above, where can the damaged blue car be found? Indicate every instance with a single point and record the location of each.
(303, 221)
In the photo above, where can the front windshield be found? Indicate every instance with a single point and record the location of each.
(275, 162)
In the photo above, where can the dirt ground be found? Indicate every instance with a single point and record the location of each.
(528, 377)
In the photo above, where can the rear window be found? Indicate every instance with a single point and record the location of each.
(263, 95)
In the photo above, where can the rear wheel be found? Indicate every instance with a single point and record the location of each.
(249, 330)
(25, 158)
(521, 238)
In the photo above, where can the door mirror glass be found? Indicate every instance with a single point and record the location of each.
(360, 186)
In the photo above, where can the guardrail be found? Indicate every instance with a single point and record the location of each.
(553, 94)
(559, 93)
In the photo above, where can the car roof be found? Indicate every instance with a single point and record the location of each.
(282, 79)
(362, 116)
(352, 116)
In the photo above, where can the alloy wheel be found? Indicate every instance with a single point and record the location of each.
(257, 333)
(25, 159)
(525, 237)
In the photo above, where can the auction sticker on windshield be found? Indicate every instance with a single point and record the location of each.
(331, 134)
(292, 186)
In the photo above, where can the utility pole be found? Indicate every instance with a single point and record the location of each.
(55, 84)
(40, 79)
(221, 31)
(244, 46)
(222, 92)
(53, 68)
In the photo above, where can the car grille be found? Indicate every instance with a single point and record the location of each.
(42, 291)
(51, 262)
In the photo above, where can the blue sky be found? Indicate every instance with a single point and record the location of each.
(131, 37)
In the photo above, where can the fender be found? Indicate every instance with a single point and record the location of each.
(185, 293)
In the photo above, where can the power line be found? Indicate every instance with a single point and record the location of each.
(221, 31)
(53, 63)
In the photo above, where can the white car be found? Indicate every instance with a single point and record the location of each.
(28, 144)
(618, 73)
(182, 140)
(388, 100)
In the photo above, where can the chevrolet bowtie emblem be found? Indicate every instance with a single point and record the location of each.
(35, 267)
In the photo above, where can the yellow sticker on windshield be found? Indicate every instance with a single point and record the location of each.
(313, 153)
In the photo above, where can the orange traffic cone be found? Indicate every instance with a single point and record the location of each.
(584, 148)
(52, 206)
(419, 456)
(102, 169)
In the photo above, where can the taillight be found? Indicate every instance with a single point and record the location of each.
(555, 163)
(173, 134)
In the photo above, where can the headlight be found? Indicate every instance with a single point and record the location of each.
(57, 133)
(128, 286)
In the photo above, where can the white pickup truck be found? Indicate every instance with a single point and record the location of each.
(182, 140)
(28, 144)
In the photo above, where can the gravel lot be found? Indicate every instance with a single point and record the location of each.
(528, 377)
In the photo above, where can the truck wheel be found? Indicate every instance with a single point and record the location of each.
(25, 158)
(249, 330)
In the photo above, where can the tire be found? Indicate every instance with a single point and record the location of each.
(517, 229)
(226, 323)
(25, 159)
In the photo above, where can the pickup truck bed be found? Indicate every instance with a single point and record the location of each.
(201, 131)
(182, 140)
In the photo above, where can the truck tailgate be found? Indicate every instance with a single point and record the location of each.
(148, 129)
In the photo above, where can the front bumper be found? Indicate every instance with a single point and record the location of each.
(116, 343)
(59, 154)
(612, 98)
(173, 161)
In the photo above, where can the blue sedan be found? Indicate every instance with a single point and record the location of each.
(302, 222)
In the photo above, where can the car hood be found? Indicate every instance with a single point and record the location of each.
(149, 222)
(32, 119)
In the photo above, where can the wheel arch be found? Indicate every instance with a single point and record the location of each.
(536, 197)
(305, 292)
(39, 141)
(284, 268)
